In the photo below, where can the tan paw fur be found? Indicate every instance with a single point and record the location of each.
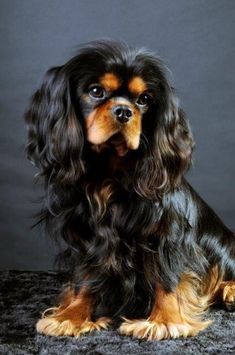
(153, 330)
(51, 326)
(229, 293)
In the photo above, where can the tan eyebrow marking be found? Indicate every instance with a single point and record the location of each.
(110, 81)
(137, 85)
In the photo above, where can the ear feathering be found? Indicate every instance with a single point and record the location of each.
(174, 143)
(56, 139)
(169, 153)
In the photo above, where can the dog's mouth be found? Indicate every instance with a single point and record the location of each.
(118, 143)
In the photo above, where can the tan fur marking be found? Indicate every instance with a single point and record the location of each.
(226, 293)
(100, 125)
(51, 326)
(110, 82)
(137, 85)
(72, 317)
(211, 284)
(174, 314)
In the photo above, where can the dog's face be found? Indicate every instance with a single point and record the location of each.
(115, 89)
(113, 110)
(113, 107)
(109, 97)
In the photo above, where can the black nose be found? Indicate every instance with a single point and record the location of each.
(122, 113)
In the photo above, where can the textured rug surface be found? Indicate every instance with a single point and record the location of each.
(24, 295)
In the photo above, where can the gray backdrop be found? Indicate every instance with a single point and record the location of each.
(195, 38)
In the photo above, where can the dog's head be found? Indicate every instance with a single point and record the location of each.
(109, 98)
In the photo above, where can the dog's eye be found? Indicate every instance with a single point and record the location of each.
(96, 91)
(144, 99)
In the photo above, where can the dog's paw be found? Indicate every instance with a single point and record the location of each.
(152, 330)
(52, 326)
(229, 296)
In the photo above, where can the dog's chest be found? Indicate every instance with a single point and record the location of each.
(118, 241)
(123, 214)
(117, 229)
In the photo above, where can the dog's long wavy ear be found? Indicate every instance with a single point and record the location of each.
(173, 144)
(55, 136)
(170, 149)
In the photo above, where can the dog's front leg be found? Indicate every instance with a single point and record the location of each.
(174, 314)
(72, 317)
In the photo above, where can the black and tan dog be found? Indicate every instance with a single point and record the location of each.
(112, 145)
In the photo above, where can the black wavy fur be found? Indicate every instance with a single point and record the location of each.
(155, 227)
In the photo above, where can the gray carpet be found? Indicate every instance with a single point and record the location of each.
(23, 295)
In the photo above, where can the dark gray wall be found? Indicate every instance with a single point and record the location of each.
(196, 41)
